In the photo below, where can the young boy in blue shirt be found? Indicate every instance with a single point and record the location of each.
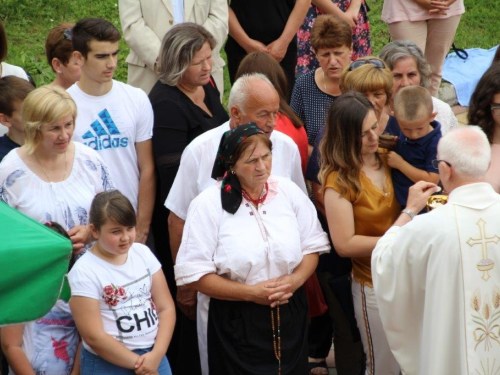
(13, 91)
(417, 143)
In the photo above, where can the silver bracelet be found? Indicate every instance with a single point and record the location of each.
(410, 213)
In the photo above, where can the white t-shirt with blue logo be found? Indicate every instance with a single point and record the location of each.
(112, 124)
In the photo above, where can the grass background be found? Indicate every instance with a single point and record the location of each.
(27, 23)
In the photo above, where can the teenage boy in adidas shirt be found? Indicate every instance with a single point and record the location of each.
(114, 118)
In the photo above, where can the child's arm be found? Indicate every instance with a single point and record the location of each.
(89, 323)
(396, 161)
(165, 309)
(12, 347)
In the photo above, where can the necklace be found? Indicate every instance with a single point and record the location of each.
(45, 172)
(257, 201)
(277, 336)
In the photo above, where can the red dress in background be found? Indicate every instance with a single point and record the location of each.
(315, 298)
(299, 136)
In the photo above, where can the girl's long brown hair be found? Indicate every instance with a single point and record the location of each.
(480, 102)
(340, 148)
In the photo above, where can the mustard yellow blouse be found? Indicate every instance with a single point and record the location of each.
(374, 212)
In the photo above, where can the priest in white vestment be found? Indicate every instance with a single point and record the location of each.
(437, 277)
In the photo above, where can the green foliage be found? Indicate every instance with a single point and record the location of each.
(479, 26)
(28, 22)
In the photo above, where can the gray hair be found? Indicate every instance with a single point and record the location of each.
(468, 150)
(242, 87)
(401, 49)
(179, 45)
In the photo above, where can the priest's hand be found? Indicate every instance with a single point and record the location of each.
(419, 194)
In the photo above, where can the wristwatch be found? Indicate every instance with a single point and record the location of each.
(410, 213)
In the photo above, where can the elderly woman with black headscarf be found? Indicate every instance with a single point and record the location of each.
(248, 245)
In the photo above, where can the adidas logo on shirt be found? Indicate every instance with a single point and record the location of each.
(104, 137)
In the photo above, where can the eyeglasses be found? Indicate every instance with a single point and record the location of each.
(435, 163)
(495, 110)
(356, 64)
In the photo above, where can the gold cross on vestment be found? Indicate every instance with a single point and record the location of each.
(485, 264)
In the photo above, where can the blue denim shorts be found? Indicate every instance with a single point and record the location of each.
(92, 364)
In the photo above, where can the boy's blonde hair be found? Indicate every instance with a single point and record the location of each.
(413, 103)
(44, 105)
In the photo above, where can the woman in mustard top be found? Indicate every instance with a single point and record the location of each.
(360, 206)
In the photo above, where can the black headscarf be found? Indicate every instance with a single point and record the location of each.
(231, 188)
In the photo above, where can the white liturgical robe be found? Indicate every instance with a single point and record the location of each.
(437, 282)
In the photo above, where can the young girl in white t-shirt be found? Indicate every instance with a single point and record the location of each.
(119, 296)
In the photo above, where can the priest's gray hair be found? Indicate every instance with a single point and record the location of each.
(241, 89)
(468, 150)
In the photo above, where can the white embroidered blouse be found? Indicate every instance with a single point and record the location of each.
(253, 245)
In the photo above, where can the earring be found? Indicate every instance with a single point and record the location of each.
(232, 171)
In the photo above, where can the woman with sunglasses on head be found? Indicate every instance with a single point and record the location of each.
(360, 206)
(484, 111)
(314, 92)
(369, 76)
(59, 52)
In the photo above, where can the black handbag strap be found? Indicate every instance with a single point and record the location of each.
(460, 52)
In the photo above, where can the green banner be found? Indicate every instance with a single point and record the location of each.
(33, 262)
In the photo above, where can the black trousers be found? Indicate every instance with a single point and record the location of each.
(340, 322)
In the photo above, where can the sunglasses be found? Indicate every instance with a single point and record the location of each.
(495, 110)
(68, 35)
(356, 64)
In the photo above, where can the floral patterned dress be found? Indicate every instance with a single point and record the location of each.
(306, 58)
(66, 202)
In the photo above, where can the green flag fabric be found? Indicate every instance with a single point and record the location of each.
(33, 262)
